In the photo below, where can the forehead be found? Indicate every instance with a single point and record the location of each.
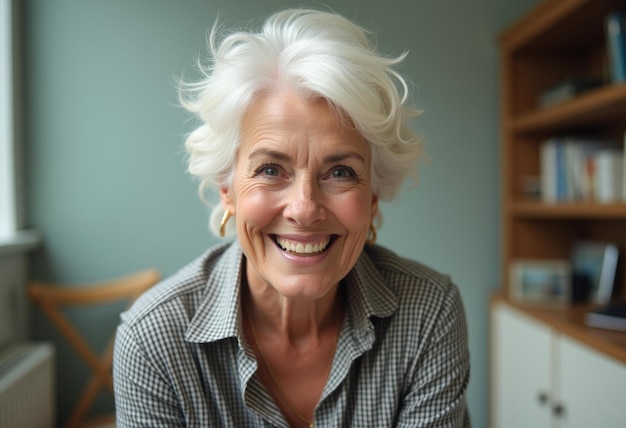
(285, 121)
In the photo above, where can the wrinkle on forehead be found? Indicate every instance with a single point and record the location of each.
(288, 123)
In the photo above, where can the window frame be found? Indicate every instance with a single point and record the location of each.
(8, 185)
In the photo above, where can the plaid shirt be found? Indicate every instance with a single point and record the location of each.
(402, 359)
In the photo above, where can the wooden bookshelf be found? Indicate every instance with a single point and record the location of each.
(557, 40)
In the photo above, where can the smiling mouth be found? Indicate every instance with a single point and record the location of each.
(303, 248)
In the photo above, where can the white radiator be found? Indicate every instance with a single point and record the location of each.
(27, 386)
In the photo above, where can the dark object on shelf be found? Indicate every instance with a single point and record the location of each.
(611, 316)
(594, 269)
(568, 89)
(581, 287)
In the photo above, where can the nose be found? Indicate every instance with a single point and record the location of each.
(304, 203)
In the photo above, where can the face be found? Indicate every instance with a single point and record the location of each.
(301, 195)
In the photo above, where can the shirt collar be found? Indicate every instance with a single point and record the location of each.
(217, 316)
(368, 291)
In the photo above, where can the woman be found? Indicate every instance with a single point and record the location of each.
(301, 320)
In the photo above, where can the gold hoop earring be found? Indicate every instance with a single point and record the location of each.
(225, 218)
(371, 238)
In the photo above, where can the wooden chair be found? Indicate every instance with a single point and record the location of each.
(52, 297)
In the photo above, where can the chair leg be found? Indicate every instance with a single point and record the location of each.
(78, 416)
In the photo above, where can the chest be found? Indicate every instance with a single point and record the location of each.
(364, 386)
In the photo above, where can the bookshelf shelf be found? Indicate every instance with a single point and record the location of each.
(571, 322)
(582, 211)
(594, 108)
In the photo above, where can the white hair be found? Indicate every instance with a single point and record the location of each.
(315, 54)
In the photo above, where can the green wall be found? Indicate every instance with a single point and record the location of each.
(105, 176)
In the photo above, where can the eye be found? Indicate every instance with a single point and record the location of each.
(343, 173)
(268, 170)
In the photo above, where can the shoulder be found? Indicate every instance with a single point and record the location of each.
(423, 296)
(405, 275)
(179, 292)
(428, 303)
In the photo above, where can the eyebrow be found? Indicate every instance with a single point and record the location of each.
(343, 156)
(269, 153)
(338, 157)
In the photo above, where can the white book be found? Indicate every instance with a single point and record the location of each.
(612, 317)
(608, 182)
(548, 161)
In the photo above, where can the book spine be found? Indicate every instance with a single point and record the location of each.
(616, 46)
(570, 169)
(561, 172)
(589, 171)
(608, 180)
(548, 171)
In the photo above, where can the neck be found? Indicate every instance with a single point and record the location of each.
(302, 323)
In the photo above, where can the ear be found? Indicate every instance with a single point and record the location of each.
(374, 210)
(226, 197)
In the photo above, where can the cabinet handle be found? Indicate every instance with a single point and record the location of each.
(542, 397)
(558, 410)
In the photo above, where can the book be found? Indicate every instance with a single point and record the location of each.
(608, 176)
(611, 317)
(581, 169)
(594, 263)
(548, 174)
(567, 89)
(615, 30)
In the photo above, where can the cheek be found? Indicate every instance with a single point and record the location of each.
(354, 210)
(255, 208)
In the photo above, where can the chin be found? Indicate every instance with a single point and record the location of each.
(305, 288)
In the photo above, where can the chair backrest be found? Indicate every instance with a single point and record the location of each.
(51, 297)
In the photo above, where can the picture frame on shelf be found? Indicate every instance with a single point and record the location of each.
(594, 268)
(541, 282)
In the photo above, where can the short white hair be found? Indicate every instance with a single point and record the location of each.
(315, 54)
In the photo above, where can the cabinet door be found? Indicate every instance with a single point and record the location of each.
(592, 387)
(521, 370)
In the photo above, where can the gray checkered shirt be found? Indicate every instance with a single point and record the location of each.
(401, 360)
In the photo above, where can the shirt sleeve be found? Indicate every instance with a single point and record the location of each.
(143, 397)
(436, 395)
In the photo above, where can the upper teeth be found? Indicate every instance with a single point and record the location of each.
(298, 247)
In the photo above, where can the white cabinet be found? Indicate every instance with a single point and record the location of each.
(544, 379)
(592, 387)
(521, 369)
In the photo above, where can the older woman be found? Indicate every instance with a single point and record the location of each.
(301, 320)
